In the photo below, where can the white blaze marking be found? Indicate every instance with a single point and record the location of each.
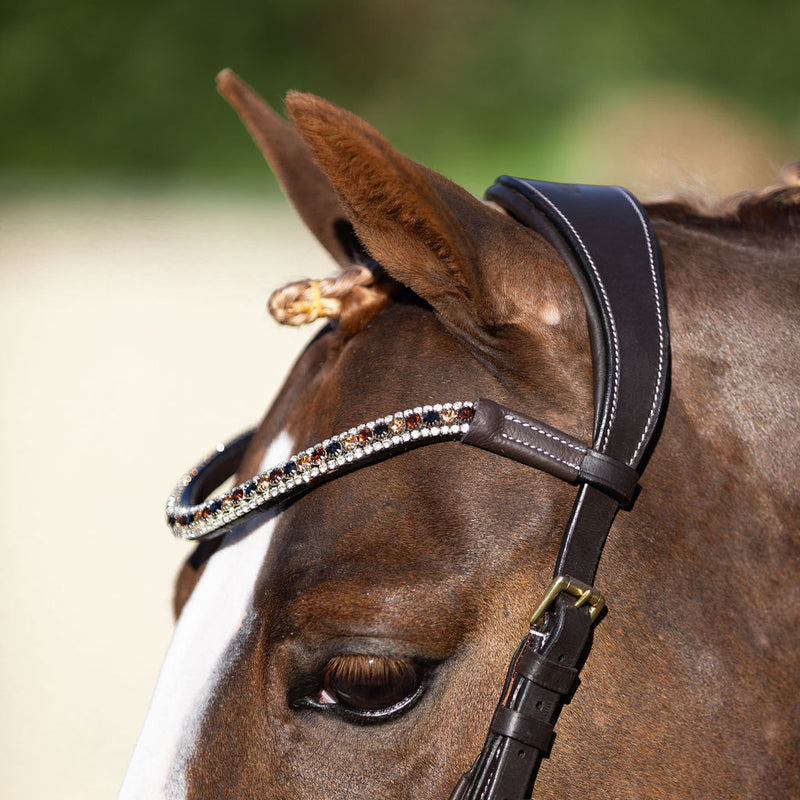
(207, 625)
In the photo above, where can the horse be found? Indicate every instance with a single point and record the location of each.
(352, 641)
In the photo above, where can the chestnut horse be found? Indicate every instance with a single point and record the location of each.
(404, 587)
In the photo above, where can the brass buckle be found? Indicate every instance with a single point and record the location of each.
(587, 595)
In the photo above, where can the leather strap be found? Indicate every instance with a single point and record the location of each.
(521, 732)
(522, 438)
(613, 253)
(605, 238)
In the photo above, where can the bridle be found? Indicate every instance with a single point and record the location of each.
(606, 239)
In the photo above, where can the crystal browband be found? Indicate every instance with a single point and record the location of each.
(191, 514)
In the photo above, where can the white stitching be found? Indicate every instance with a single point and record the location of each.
(659, 319)
(512, 418)
(542, 451)
(615, 387)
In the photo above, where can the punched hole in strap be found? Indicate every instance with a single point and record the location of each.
(547, 674)
(522, 728)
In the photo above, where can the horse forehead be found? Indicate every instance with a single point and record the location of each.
(407, 616)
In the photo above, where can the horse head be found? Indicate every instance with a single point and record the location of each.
(352, 641)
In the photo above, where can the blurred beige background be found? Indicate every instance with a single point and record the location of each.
(135, 337)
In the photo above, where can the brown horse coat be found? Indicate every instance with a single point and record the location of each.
(437, 557)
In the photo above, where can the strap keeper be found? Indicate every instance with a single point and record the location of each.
(611, 476)
(549, 675)
(521, 728)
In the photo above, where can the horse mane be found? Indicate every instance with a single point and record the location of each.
(758, 209)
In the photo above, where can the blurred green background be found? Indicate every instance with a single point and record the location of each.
(124, 89)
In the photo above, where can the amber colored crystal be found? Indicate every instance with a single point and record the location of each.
(413, 420)
(349, 442)
(465, 414)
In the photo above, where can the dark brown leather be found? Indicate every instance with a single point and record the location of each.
(606, 240)
(522, 728)
(532, 442)
(548, 674)
(613, 253)
(521, 732)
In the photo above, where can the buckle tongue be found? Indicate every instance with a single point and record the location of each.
(586, 595)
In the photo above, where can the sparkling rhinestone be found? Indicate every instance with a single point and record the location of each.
(397, 425)
(249, 488)
(275, 475)
(333, 449)
(448, 415)
(237, 494)
(318, 455)
(263, 483)
(225, 502)
(381, 429)
(349, 442)
(431, 417)
(413, 420)
(304, 461)
(289, 468)
(365, 435)
(465, 414)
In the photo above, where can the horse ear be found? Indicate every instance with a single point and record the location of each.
(306, 186)
(427, 232)
(413, 221)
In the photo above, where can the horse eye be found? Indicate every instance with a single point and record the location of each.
(370, 685)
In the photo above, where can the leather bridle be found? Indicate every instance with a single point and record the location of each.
(606, 239)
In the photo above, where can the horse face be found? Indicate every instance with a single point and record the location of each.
(353, 643)
(411, 565)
